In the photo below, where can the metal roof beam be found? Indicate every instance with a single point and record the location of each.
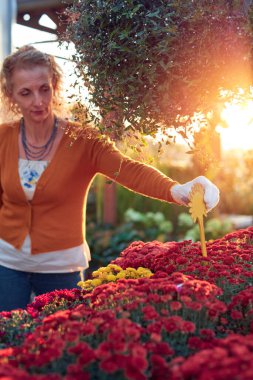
(28, 5)
(29, 13)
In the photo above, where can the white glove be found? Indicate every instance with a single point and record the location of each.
(180, 192)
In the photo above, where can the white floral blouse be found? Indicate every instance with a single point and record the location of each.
(29, 173)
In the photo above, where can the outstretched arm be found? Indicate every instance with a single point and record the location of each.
(138, 177)
(145, 179)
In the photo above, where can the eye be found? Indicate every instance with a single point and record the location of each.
(24, 93)
(45, 88)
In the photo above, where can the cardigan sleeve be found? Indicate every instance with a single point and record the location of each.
(138, 177)
(2, 140)
(1, 190)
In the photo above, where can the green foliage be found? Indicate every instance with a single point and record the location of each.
(153, 223)
(106, 242)
(14, 329)
(214, 228)
(158, 62)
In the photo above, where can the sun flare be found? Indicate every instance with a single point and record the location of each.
(237, 116)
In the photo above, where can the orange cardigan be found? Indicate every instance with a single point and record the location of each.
(54, 217)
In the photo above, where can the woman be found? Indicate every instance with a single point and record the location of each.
(45, 176)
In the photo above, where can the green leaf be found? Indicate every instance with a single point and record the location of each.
(154, 14)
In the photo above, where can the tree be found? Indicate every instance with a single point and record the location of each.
(159, 63)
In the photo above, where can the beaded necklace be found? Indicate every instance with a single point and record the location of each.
(33, 152)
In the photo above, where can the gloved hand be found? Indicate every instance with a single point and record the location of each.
(180, 192)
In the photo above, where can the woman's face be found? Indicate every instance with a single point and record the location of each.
(32, 92)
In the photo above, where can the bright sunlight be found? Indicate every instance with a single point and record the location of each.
(237, 116)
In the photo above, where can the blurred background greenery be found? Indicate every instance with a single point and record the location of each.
(142, 218)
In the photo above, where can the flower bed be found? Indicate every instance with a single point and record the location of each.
(192, 319)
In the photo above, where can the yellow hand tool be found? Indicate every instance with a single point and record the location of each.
(197, 211)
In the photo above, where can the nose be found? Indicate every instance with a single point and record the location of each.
(37, 100)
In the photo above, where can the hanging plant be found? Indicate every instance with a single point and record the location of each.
(157, 64)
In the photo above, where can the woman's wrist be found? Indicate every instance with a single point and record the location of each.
(175, 191)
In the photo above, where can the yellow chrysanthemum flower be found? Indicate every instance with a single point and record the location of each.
(142, 270)
(102, 270)
(86, 285)
(112, 273)
(107, 269)
(115, 267)
(96, 282)
(111, 277)
(129, 269)
(81, 284)
(121, 274)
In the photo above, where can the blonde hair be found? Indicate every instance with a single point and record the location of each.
(27, 57)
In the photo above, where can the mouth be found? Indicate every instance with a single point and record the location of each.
(37, 112)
